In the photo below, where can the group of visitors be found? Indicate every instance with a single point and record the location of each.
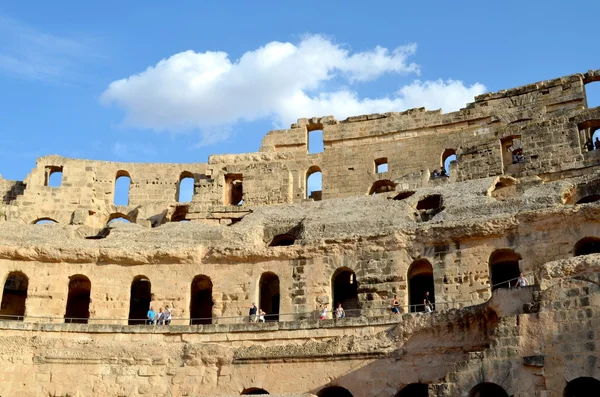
(438, 174)
(427, 304)
(592, 145)
(256, 314)
(162, 318)
(324, 309)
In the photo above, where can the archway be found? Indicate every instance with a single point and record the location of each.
(269, 296)
(122, 187)
(382, 186)
(201, 302)
(334, 391)
(448, 156)
(314, 183)
(504, 268)
(587, 246)
(139, 301)
(185, 187)
(420, 281)
(254, 391)
(345, 291)
(581, 387)
(14, 297)
(118, 217)
(414, 390)
(487, 389)
(78, 300)
(44, 221)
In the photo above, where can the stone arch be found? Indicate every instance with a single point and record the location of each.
(345, 291)
(78, 300)
(587, 246)
(414, 390)
(119, 217)
(139, 300)
(334, 391)
(487, 389)
(504, 268)
(254, 391)
(314, 183)
(201, 302)
(269, 295)
(382, 186)
(14, 296)
(448, 156)
(185, 192)
(122, 188)
(581, 387)
(420, 281)
(44, 221)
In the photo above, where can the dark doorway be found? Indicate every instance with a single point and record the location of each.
(254, 390)
(420, 281)
(269, 296)
(504, 268)
(581, 387)
(487, 389)
(201, 303)
(78, 301)
(414, 390)
(14, 297)
(586, 246)
(345, 291)
(139, 303)
(234, 189)
(334, 391)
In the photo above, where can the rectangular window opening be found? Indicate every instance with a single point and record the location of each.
(234, 189)
(53, 176)
(381, 165)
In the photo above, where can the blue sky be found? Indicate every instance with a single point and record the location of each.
(175, 82)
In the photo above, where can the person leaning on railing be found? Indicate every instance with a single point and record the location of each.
(522, 281)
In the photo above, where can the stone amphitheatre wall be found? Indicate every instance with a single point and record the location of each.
(548, 123)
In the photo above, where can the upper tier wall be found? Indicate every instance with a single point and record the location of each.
(537, 129)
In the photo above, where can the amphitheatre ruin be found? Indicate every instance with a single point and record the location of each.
(457, 204)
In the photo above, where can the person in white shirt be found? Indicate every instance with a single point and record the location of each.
(522, 281)
(167, 315)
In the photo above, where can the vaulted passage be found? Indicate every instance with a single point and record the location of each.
(139, 302)
(413, 390)
(345, 291)
(78, 301)
(587, 246)
(504, 268)
(269, 296)
(14, 297)
(254, 391)
(487, 389)
(334, 391)
(583, 386)
(201, 303)
(420, 282)
(382, 186)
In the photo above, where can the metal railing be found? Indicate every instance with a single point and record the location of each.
(512, 283)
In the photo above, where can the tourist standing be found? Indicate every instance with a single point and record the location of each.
(167, 315)
(427, 303)
(522, 281)
(261, 316)
(252, 313)
(395, 305)
(150, 316)
(339, 311)
(324, 312)
(160, 320)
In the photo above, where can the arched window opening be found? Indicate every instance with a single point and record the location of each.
(185, 188)
(334, 391)
(345, 291)
(504, 268)
(512, 151)
(269, 297)
(381, 165)
(14, 297)
(403, 195)
(122, 186)
(382, 186)
(588, 199)
(430, 206)
(78, 300)
(118, 217)
(314, 183)
(592, 94)
(414, 390)
(587, 246)
(53, 176)
(254, 391)
(45, 221)
(487, 389)
(234, 189)
(420, 286)
(201, 303)
(282, 240)
(139, 301)
(315, 139)
(583, 386)
(589, 135)
(448, 156)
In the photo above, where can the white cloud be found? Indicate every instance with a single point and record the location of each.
(280, 81)
(28, 53)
